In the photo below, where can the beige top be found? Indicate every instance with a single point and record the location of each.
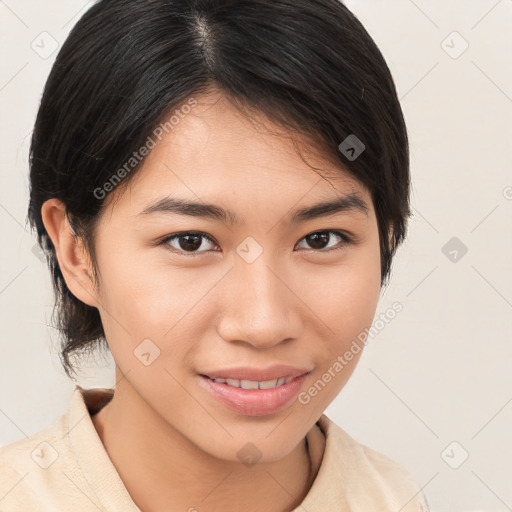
(65, 467)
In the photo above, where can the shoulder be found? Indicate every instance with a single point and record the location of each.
(24, 468)
(37, 472)
(39, 450)
(368, 472)
(401, 485)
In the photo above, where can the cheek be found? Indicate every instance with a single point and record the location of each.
(345, 297)
(357, 300)
(347, 307)
(140, 286)
(151, 299)
(136, 298)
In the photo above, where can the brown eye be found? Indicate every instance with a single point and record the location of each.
(188, 242)
(321, 240)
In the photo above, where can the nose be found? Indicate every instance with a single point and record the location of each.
(259, 306)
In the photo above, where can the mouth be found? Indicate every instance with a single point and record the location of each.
(271, 376)
(252, 384)
(254, 397)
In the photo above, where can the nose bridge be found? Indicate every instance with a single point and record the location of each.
(261, 310)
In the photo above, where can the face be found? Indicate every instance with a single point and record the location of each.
(187, 296)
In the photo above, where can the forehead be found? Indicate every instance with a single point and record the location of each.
(216, 153)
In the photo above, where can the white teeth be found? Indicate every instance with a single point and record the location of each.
(254, 384)
(249, 384)
(267, 384)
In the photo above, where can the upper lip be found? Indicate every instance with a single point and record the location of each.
(260, 374)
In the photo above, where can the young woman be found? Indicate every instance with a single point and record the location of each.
(220, 187)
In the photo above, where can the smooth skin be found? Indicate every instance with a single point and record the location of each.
(173, 444)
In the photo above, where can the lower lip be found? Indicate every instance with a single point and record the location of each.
(254, 402)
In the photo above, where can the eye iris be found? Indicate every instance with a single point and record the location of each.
(318, 240)
(190, 245)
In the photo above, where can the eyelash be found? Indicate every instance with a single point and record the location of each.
(346, 240)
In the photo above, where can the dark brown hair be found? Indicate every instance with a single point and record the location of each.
(308, 65)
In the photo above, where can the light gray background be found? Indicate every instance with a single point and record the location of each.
(441, 370)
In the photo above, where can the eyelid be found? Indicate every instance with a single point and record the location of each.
(348, 239)
(201, 234)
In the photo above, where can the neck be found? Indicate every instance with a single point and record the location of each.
(163, 470)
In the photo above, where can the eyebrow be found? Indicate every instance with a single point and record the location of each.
(171, 205)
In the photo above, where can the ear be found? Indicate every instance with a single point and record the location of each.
(73, 260)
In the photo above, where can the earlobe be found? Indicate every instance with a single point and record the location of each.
(70, 252)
